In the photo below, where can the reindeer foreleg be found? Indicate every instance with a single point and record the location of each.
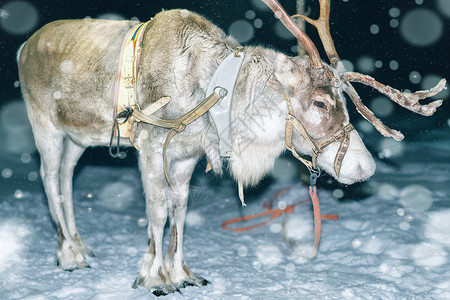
(179, 272)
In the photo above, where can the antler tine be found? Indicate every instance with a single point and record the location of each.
(407, 100)
(279, 11)
(369, 115)
(323, 28)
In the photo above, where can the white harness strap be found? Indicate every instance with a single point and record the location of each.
(225, 76)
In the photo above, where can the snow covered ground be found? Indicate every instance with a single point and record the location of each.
(392, 238)
(392, 244)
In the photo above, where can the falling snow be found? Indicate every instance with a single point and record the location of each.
(392, 243)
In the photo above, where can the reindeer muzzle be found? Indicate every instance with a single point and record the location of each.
(317, 148)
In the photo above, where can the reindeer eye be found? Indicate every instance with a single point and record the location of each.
(319, 104)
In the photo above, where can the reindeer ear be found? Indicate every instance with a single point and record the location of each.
(287, 72)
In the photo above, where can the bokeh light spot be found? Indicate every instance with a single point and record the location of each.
(241, 30)
(117, 196)
(338, 193)
(404, 226)
(394, 12)
(184, 13)
(25, 158)
(33, 176)
(390, 148)
(142, 222)
(444, 7)
(365, 64)
(430, 81)
(365, 126)
(18, 17)
(250, 14)
(394, 23)
(356, 243)
(415, 77)
(111, 16)
(348, 65)
(194, 218)
(382, 106)
(258, 23)
(421, 27)
(416, 198)
(18, 194)
(16, 135)
(393, 65)
(374, 29)
(388, 191)
(276, 227)
(7, 173)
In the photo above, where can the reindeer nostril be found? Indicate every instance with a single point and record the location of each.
(365, 173)
(362, 174)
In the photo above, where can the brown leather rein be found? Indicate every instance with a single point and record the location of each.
(175, 125)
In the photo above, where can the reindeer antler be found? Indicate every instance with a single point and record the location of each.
(406, 100)
(303, 38)
(323, 27)
(320, 75)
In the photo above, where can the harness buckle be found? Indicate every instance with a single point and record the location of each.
(222, 92)
(317, 151)
(129, 82)
(334, 136)
(314, 174)
(237, 50)
(123, 116)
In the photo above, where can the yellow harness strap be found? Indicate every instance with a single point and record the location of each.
(125, 89)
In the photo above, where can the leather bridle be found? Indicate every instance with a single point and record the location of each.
(317, 147)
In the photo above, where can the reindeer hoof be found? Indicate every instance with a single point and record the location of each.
(85, 250)
(70, 265)
(157, 290)
(137, 282)
(69, 257)
(163, 290)
(195, 280)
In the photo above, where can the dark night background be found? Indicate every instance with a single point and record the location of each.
(350, 25)
(392, 239)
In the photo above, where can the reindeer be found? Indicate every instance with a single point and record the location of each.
(68, 73)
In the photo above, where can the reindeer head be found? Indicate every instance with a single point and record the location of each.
(317, 123)
(322, 119)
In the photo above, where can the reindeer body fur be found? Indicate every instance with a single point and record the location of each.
(68, 71)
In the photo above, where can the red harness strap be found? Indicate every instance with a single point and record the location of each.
(289, 209)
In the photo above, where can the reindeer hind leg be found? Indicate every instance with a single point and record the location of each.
(72, 154)
(50, 143)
